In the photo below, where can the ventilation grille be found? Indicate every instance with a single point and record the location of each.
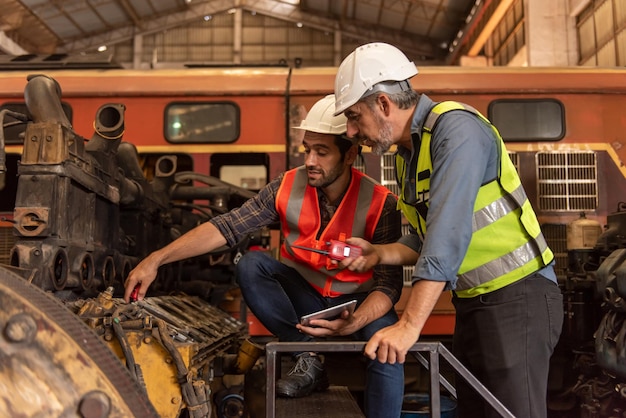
(556, 236)
(388, 173)
(407, 271)
(567, 181)
(7, 240)
(359, 164)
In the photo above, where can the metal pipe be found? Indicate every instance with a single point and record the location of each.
(42, 95)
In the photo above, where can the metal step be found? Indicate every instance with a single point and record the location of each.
(435, 350)
(336, 402)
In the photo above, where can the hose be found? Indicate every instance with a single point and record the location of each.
(16, 115)
(133, 367)
(193, 393)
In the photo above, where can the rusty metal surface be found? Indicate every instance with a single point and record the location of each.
(193, 320)
(85, 213)
(51, 364)
(169, 344)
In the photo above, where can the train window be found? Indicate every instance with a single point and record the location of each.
(248, 170)
(200, 122)
(14, 129)
(528, 120)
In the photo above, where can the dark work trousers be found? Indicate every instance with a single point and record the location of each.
(506, 338)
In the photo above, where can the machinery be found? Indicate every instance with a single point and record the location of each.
(87, 210)
(590, 361)
(85, 214)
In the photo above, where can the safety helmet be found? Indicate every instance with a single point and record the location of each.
(367, 66)
(321, 119)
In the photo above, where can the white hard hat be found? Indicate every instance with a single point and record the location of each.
(367, 66)
(321, 119)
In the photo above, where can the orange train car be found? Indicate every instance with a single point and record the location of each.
(564, 129)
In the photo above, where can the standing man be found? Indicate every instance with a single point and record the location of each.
(326, 199)
(473, 232)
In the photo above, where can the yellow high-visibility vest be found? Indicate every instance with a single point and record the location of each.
(507, 243)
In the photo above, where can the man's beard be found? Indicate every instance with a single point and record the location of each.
(384, 141)
(326, 179)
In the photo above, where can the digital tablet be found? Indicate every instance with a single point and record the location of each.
(329, 313)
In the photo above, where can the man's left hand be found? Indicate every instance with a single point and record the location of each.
(345, 325)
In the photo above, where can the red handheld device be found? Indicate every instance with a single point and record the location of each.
(337, 250)
(135, 293)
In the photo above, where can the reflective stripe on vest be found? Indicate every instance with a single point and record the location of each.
(357, 215)
(501, 205)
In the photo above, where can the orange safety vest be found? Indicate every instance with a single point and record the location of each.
(357, 216)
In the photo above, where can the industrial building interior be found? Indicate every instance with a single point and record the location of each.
(162, 34)
(127, 122)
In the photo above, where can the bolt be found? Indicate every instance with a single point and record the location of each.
(175, 400)
(21, 328)
(95, 404)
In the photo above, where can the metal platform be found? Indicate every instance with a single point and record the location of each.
(316, 405)
(434, 349)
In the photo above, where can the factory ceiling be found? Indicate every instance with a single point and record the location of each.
(432, 30)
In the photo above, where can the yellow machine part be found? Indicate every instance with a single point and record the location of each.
(52, 364)
(158, 371)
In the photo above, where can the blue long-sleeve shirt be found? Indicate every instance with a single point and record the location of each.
(464, 156)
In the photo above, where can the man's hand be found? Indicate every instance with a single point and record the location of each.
(344, 325)
(366, 261)
(390, 344)
(142, 275)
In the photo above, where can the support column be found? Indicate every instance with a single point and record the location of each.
(550, 33)
(337, 58)
(237, 36)
(137, 51)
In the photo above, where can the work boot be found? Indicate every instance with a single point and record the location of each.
(307, 375)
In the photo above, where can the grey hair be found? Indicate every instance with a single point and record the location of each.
(404, 99)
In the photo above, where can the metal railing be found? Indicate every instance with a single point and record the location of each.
(435, 349)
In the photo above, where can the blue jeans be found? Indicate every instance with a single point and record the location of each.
(278, 295)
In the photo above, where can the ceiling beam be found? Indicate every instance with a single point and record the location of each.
(489, 27)
(132, 13)
(19, 23)
(194, 12)
(416, 46)
(9, 47)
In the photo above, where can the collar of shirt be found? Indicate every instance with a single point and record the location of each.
(327, 208)
(424, 105)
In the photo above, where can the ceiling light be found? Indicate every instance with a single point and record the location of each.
(299, 24)
(102, 48)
